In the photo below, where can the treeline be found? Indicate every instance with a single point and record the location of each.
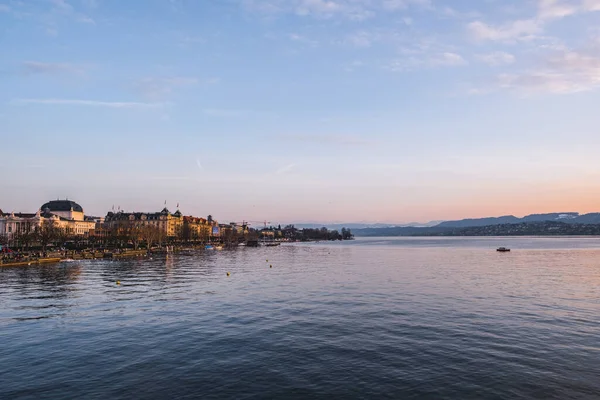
(520, 229)
(527, 229)
(290, 232)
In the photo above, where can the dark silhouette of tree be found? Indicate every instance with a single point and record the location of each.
(46, 233)
(346, 234)
(151, 234)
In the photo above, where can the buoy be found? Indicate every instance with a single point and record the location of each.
(228, 274)
(118, 282)
(270, 266)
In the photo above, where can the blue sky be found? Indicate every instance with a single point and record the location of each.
(302, 110)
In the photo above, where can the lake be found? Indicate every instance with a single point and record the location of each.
(370, 318)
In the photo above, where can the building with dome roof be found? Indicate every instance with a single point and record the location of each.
(64, 208)
(71, 215)
(62, 214)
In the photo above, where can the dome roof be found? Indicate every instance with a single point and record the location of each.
(61, 205)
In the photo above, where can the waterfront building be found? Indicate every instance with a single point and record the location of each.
(169, 225)
(195, 228)
(65, 215)
(70, 216)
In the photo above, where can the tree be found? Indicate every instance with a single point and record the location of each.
(150, 234)
(346, 234)
(47, 232)
(134, 232)
(25, 237)
(62, 235)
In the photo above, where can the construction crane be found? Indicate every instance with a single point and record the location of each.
(265, 222)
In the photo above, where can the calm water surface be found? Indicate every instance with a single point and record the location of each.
(372, 318)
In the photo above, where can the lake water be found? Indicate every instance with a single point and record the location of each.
(372, 318)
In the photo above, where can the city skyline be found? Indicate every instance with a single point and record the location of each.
(389, 111)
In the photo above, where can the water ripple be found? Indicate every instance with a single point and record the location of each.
(385, 318)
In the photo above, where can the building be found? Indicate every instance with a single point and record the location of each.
(64, 208)
(65, 215)
(195, 228)
(71, 215)
(170, 225)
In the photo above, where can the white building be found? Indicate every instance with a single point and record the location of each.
(63, 214)
(71, 216)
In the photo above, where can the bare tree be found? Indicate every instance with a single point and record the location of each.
(46, 233)
(134, 233)
(150, 234)
(25, 237)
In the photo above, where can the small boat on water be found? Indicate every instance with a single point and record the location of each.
(503, 249)
(219, 247)
(209, 247)
(272, 244)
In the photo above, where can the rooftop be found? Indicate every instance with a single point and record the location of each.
(61, 205)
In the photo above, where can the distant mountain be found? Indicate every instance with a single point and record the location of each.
(567, 217)
(534, 228)
(591, 218)
(507, 219)
(402, 231)
(359, 225)
(486, 226)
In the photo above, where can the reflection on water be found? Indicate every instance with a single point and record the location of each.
(395, 318)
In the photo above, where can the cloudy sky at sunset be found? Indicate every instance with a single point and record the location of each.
(302, 110)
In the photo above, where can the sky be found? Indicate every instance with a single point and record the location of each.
(302, 110)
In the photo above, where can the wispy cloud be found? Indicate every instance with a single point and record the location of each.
(446, 59)
(531, 28)
(508, 32)
(361, 39)
(357, 10)
(354, 65)
(4, 8)
(295, 37)
(496, 58)
(85, 19)
(222, 112)
(591, 5)
(348, 140)
(285, 169)
(553, 9)
(90, 103)
(160, 88)
(565, 72)
(37, 67)
(63, 7)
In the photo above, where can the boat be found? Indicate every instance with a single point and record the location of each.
(272, 244)
(209, 247)
(219, 247)
(502, 249)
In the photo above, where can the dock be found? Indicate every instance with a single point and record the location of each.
(40, 261)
